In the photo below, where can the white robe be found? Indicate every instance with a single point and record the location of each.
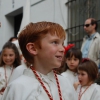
(71, 76)
(18, 71)
(92, 93)
(2, 76)
(27, 87)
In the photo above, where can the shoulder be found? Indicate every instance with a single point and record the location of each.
(21, 88)
(64, 82)
(24, 83)
(97, 35)
(96, 92)
(23, 79)
(20, 68)
(67, 89)
(18, 71)
(97, 87)
(64, 73)
(67, 73)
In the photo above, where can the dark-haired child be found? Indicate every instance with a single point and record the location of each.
(87, 74)
(73, 57)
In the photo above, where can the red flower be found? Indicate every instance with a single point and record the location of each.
(69, 47)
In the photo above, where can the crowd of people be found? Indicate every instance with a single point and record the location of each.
(37, 65)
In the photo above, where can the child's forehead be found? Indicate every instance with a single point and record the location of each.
(57, 33)
(82, 71)
(50, 36)
(7, 50)
(72, 56)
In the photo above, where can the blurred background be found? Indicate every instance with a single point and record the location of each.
(71, 14)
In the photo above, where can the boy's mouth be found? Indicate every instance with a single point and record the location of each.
(59, 57)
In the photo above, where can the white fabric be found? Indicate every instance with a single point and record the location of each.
(92, 93)
(27, 87)
(18, 71)
(71, 76)
(2, 76)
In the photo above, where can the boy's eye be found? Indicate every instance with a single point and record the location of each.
(82, 74)
(55, 42)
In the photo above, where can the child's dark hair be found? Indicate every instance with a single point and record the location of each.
(90, 67)
(12, 38)
(73, 52)
(12, 46)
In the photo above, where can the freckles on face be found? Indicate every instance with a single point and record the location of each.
(52, 50)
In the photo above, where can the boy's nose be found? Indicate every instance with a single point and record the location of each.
(62, 48)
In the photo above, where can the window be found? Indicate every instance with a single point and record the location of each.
(78, 12)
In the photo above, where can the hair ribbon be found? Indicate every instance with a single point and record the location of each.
(68, 47)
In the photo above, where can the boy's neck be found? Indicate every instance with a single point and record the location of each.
(42, 70)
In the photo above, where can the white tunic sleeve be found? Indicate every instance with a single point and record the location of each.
(2, 80)
(96, 93)
(18, 71)
(15, 92)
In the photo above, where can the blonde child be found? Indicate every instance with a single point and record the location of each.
(42, 46)
(87, 74)
(9, 60)
(73, 57)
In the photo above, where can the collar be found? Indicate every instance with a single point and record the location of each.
(94, 35)
(8, 67)
(74, 73)
(46, 78)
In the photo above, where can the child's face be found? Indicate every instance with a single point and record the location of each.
(83, 78)
(8, 56)
(51, 53)
(72, 63)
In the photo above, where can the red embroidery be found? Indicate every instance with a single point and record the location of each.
(39, 79)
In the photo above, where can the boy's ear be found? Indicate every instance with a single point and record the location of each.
(31, 48)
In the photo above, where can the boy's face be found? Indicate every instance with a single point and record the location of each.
(51, 53)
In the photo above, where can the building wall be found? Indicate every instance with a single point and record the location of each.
(39, 10)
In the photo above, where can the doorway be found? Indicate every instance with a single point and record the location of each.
(17, 23)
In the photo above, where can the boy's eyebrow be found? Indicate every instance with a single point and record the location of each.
(57, 39)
